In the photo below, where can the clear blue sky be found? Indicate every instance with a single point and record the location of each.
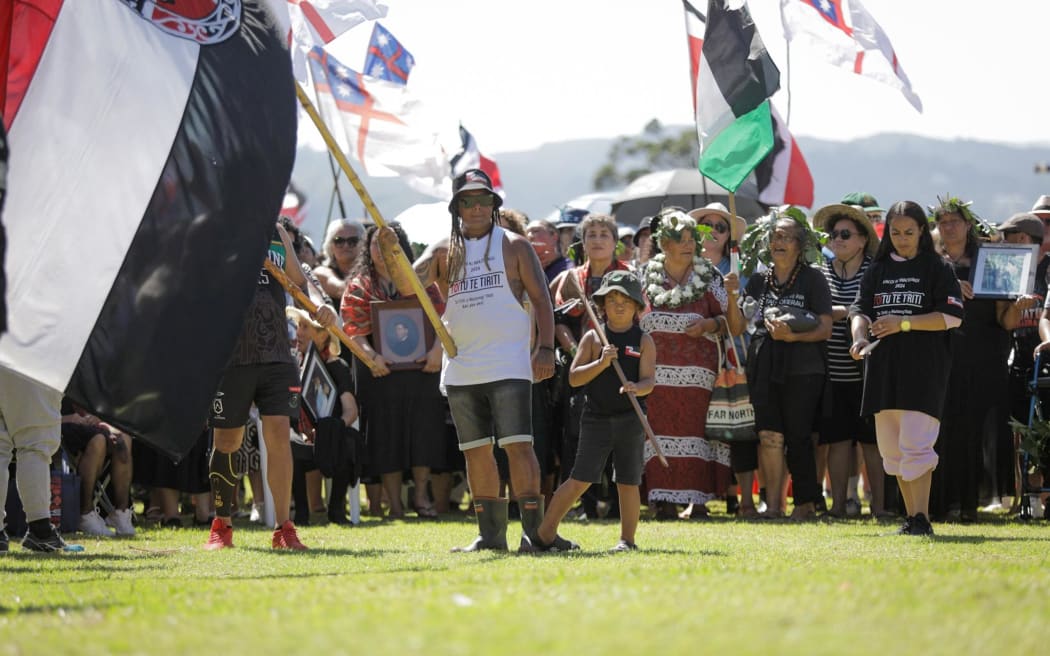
(522, 73)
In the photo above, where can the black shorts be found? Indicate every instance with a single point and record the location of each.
(272, 387)
(840, 419)
(619, 435)
(75, 437)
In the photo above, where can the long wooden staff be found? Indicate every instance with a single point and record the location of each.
(302, 299)
(619, 371)
(397, 255)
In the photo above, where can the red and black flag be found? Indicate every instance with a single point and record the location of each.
(151, 144)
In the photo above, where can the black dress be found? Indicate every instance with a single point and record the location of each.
(975, 408)
(908, 371)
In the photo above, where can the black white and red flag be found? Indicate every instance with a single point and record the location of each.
(783, 175)
(470, 157)
(151, 144)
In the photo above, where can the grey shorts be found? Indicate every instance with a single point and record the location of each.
(601, 435)
(499, 411)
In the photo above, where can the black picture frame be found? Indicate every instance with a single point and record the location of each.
(319, 392)
(401, 333)
(1004, 271)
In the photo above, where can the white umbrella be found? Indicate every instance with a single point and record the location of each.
(426, 223)
(598, 203)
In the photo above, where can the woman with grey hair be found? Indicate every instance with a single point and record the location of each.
(342, 245)
(785, 364)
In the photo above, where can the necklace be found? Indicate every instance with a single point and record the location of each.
(681, 294)
(778, 289)
(845, 266)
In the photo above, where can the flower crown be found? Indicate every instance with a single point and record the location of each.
(672, 223)
(754, 246)
(955, 205)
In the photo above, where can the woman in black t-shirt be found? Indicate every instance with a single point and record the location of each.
(908, 299)
(785, 368)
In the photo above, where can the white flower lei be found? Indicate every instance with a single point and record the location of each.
(694, 288)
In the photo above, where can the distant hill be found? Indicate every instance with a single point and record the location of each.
(998, 178)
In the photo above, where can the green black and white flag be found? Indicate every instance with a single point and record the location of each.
(737, 77)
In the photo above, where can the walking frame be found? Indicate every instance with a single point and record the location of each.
(1035, 413)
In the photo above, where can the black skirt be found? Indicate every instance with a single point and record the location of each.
(403, 420)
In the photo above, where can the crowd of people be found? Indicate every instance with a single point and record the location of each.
(586, 356)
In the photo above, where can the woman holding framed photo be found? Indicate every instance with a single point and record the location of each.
(402, 410)
(974, 427)
(327, 395)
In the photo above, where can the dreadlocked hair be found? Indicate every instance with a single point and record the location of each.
(457, 247)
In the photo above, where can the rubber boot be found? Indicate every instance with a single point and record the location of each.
(531, 518)
(492, 524)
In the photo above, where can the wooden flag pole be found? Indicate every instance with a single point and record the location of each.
(399, 256)
(300, 297)
(734, 246)
(619, 372)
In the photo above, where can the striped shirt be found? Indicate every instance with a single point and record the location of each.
(842, 368)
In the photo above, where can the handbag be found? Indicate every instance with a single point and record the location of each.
(730, 415)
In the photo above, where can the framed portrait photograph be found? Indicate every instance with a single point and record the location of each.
(319, 393)
(401, 333)
(1004, 271)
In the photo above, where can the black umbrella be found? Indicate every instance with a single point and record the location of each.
(686, 188)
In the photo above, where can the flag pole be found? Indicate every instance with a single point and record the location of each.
(337, 195)
(734, 247)
(787, 66)
(399, 256)
(300, 296)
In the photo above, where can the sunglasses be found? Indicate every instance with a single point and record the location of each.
(720, 228)
(467, 202)
(841, 234)
(349, 241)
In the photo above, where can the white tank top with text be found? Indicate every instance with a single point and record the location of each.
(489, 326)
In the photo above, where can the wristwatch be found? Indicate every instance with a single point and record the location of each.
(905, 325)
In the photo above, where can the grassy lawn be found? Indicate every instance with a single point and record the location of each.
(718, 586)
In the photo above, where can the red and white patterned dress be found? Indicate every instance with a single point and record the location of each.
(686, 368)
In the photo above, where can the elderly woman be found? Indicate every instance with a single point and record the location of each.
(402, 412)
(785, 368)
(975, 427)
(341, 248)
(909, 298)
(852, 239)
(687, 300)
(743, 455)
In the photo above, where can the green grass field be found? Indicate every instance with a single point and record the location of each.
(718, 586)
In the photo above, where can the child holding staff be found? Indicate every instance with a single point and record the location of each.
(609, 424)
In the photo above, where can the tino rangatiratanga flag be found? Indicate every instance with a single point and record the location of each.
(151, 146)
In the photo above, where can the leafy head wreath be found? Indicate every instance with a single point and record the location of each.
(754, 246)
(672, 223)
(955, 205)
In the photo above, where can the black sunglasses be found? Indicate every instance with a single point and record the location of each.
(349, 241)
(720, 228)
(841, 234)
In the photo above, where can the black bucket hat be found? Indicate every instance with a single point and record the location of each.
(470, 180)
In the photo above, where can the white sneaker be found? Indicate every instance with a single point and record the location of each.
(121, 521)
(92, 524)
(256, 516)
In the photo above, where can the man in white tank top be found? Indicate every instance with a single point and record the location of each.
(489, 382)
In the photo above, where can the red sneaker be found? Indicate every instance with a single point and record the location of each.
(285, 537)
(221, 536)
